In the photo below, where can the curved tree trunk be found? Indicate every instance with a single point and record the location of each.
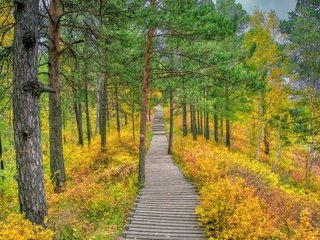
(26, 121)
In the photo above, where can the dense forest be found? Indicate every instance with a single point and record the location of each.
(79, 81)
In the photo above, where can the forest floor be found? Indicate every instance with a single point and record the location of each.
(100, 192)
(236, 190)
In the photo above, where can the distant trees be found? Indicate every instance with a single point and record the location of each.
(265, 64)
(304, 36)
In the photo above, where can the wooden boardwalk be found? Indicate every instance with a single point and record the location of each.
(165, 208)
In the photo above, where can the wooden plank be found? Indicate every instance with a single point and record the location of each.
(165, 208)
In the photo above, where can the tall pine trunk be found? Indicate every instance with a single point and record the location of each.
(266, 133)
(184, 119)
(278, 157)
(227, 110)
(260, 126)
(216, 124)
(266, 140)
(144, 101)
(87, 110)
(313, 145)
(193, 122)
(206, 117)
(107, 106)
(221, 127)
(98, 95)
(228, 133)
(201, 122)
(149, 105)
(26, 113)
(78, 113)
(198, 122)
(184, 111)
(58, 176)
(103, 113)
(171, 123)
(206, 126)
(1, 160)
(117, 110)
(132, 117)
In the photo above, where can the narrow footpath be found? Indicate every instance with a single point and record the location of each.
(165, 208)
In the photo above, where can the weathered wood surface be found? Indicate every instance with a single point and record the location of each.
(165, 208)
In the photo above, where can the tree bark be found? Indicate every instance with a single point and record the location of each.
(221, 127)
(228, 133)
(313, 145)
(171, 123)
(55, 122)
(132, 118)
(216, 124)
(227, 109)
(206, 116)
(260, 127)
(1, 160)
(184, 119)
(26, 120)
(278, 158)
(125, 119)
(184, 112)
(201, 123)
(98, 94)
(149, 112)
(144, 101)
(193, 123)
(191, 119)
(78, 113)
(117, 111)
(103, 114)
(198, 122)
(266, 140)
(206, 126)
(107, 111)
(87, 110)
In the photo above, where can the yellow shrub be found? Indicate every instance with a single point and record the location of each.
(16, 227)
(242, 198)
(230, 210)
(305, 230)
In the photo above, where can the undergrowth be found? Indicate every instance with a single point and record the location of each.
(242, 198)
(101, 189)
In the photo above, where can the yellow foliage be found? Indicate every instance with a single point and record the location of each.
(105, 182)
(236, 190)
(306, 231)
(16, 227)
(230, 210)
(6, 23)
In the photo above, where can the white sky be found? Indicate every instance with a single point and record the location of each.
(282, 7)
